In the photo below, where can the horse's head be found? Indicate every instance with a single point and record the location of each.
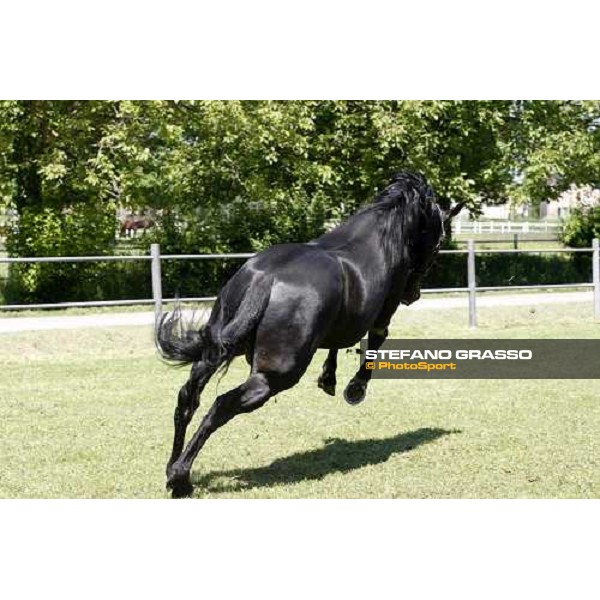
(426, 244)
(412, 227)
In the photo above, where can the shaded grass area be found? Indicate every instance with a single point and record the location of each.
(89, 413)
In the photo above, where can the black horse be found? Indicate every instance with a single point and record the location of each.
(291, 299)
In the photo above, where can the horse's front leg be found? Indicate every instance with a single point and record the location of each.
(356, 389)
(327, 380)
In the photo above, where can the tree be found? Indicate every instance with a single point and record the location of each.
(583, 222)
(554, 144)
(241, 175)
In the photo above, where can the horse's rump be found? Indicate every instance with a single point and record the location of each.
(226, 333)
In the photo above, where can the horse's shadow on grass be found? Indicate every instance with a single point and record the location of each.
(336, 456)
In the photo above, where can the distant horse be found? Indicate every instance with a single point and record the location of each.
(291, 299)
(131, 224)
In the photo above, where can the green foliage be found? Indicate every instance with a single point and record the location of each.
(581, 227)
(555, 144)
(532, 269)
(237, 176)
(82, 229)
(450, 270)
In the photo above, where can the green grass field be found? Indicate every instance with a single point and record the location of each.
(89, 413)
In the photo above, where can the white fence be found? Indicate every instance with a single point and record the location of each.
(474, 227)
(157, 300)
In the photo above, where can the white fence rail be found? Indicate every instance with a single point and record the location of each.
(157, 300)
(466, 227)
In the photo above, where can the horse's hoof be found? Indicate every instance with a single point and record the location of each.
(327, 386)
(355, 392)
(180, 486)
(181, 489)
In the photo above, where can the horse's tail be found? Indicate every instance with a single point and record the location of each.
(182, 342)
(221, 339)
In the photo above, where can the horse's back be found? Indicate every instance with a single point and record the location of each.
(297, 275)
(303, 277)
(317, 290)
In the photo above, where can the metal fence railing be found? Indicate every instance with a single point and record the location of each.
(157, 299)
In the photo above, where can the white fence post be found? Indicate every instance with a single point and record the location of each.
(596, 276)
(471, 283)
(156, 282)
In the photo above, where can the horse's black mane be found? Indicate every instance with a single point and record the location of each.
(401, 211)
(406, 187)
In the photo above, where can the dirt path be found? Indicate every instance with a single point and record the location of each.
(15, 324)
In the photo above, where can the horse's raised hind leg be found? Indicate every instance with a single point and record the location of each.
(356, 389)
(249, 396)
(327, 380)
(188, 402)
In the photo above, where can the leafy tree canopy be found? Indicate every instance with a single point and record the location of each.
(240, 174)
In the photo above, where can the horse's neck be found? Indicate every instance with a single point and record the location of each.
(355, 234)
(360, 238)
